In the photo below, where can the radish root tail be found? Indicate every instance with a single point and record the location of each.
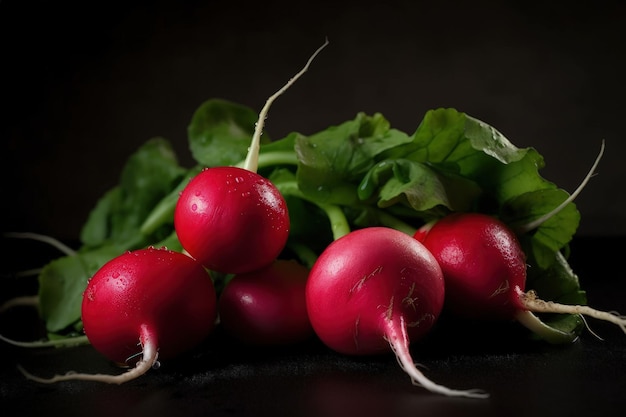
(148, 361)
(538, 222)
(252, 159)
(530, 301)
(399, 342)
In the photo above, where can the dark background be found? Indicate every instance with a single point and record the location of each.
(84, 84)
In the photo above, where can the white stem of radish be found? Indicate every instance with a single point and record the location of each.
(532, 303)
(538, 327)
(252, 159)
(398, 339)
(538, 222)
(149, 359)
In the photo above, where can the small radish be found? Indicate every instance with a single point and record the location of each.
(232, 219)
(142, 305)
(376, 290)
(484, 269)
(267, 306)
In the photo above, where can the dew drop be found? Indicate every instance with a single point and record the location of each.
(194, 207)
(239, 180)
(156, 365)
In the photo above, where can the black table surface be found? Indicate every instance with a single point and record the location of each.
(224, 378)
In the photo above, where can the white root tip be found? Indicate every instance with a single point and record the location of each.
(400, 346)
(539, 221)
(530, 301)
(148, 361)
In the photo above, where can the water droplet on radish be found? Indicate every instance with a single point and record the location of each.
(156, 365)
(194, 207)
(239, 180)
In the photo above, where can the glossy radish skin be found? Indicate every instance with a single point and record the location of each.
(366, 279)
(376, 290)
(143, 305)
(267, 307)
(485, 273)
(231, 220)
(482, 262)
(152, 296)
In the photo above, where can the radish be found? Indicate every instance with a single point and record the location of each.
(374, 290)
(267, 306)
(232, 219)
(484, 268)
(485, 273)
(142, 305)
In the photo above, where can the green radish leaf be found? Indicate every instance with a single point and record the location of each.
(418, 186)
(553, 234)
(333, 161)
(148, 176)
(220, 132)
(62, 283)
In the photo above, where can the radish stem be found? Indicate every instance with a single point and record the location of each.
(273, 158)
(251, 162)
(338, 222)
(22, 301)
(43, 238)
(538, 327)
(66, 342)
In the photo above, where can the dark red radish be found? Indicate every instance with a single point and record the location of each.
(142, 305)
(232, 219)
(377, 290)
(484, 269)
(267, 306)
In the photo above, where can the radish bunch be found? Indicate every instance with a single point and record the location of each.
(345, 202)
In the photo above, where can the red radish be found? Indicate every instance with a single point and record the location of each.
(143, 304)
(484, 269)
(267, 306)
(232, 219)
(374, 290)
